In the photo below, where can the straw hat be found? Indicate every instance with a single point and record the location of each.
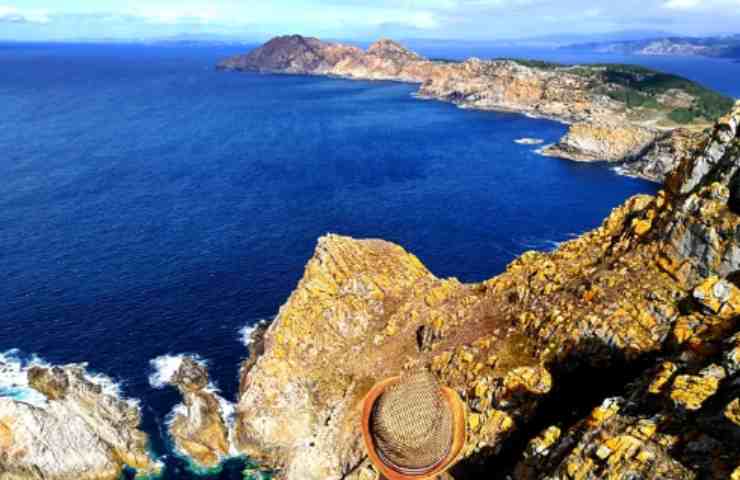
(412, 427)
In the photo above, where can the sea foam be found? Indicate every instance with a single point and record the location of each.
(14, 378)
(245, 333)
(165, 367)
(14, 384)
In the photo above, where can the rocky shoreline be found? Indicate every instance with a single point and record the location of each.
(616, 113)
(64, 424)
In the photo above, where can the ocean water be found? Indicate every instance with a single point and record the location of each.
(152, 206)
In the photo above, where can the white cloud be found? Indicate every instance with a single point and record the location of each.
(17, 15)
(682, 4)
(416, 19)
(705, 5)
(171, 15)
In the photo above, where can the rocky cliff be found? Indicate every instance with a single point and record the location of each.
(615, 356)
(63, 424)
(617, 111)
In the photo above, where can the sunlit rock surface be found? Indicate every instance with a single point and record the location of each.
(68, 426)
(200, 427)
(652, 292)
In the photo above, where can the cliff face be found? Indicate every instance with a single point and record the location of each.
(617, 111)
(664, 155)
(652, 293)
(77, 428)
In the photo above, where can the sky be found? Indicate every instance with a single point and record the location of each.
(475, 20)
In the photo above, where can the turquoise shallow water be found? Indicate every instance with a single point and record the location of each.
(152, 205)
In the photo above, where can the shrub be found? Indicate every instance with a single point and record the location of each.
(683, 115)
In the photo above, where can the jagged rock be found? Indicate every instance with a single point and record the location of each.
(192, 376)
(732, 412)
(664, 155)
(199, 427)
(83, 430)
(691, 391)
(613, 296)
(52, 382)
(612, 142)
(732, 358)
(605, 126)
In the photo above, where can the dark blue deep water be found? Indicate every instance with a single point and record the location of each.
(150, 204)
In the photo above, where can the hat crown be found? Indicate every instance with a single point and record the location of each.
(412, 423)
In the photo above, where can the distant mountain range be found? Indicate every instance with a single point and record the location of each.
(722, 46)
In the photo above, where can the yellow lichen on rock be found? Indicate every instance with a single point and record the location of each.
(535, 380)
(541, 443)
(736, 474)
(691, 391)
(641, 226)
(719, 297)
(667, 369)
(732, 412)
(603, 412)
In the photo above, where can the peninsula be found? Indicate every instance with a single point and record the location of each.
(617, 113)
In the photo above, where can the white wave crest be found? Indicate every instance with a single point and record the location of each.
(245, 333)
(14, 378)
(165, 367)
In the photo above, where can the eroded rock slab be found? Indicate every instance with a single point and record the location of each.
(61, 423)
(200, 427)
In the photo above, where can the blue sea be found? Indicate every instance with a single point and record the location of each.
(152, 205)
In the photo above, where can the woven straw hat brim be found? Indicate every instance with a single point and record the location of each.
(455, 405)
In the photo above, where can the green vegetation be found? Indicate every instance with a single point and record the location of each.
(541, 64)
(640, 86)
(634, 99)
(445, 60)
(683, 115)
(709, 104)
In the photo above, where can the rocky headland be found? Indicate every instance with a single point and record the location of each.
(615, 356)
(617, 112)
(61, 423)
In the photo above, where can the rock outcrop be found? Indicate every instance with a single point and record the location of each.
(200, 426)
(652, 292)
(618, 112)
(68, 426)
(664, 155)
(611, 142)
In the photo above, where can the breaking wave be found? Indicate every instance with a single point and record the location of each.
(14, 366)
(14, 378)
(164, 368)
(245, 333)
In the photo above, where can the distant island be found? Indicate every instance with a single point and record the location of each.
(719, 47)
(616, 113)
